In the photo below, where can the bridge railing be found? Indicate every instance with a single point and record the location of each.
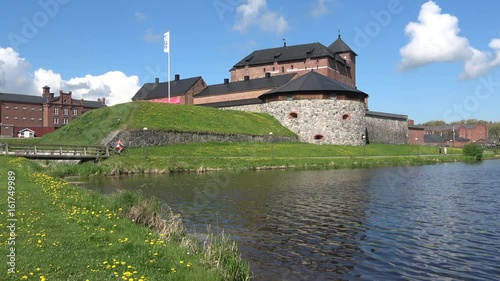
(64, 151)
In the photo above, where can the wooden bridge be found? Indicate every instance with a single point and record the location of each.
(56, 152)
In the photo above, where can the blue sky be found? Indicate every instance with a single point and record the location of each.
(426, 59)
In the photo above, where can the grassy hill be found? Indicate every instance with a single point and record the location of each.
(93, 126)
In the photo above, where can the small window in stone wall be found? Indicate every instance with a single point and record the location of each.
(346, 117)
(293, 115)
(319, 137)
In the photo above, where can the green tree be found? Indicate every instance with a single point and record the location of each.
(434, 123)
(473, 149)
(494, 131)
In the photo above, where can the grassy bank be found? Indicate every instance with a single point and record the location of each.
(158, 116)
(66, 233)
(213, 156)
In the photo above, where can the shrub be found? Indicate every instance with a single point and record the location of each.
(473, 149)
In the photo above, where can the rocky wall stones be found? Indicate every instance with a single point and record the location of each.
(139, 138)
(387, 130)
(338, 122)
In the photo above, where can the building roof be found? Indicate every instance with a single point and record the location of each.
(233, 103)
(246, 86)
(39, 100)
(387, 115)
(314, 82)
(20, 98)
(433, 139)
(289, 53)
(178, 87)
(92, 104)
(339, 46)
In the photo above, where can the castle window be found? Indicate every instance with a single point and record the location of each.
(283, 69)
(32, 118)
(15, 107)
(24, 117)
(15, 117)
(75, 112)
(6, 117)
(24, 107)
(274, 68)
(40, 109)
(56, 111)
(65, 121)
(289, 97)
(65, 111)
(56, 121)
(292, 66)
(346, 117)
(293, 115)
(7, 107)
(40, 118)
(264, 70)
(319, 137)
(333, 96)
(65, 101)
(32, 109)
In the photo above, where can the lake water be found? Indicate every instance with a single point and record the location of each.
(437, 222)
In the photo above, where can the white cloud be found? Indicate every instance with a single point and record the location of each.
(435, 38)
(319, 8)
(15, 77)
(149, 36)
(140, 16)
(255, 12)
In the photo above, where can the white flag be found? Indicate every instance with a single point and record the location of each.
(166, 42)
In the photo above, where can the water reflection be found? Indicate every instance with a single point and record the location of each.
(419, 223)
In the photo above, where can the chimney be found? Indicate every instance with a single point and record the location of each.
(98, 99)
(411, 122)
(157, 81)
(246, 78)
(103, 100)
(46, 93)
(268, 75)
(177, 77)
(226, 81)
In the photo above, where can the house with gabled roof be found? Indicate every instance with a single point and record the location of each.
(182, 91)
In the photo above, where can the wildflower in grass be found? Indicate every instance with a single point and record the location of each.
(181, 262)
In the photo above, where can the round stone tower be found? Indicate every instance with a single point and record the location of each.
(319, 110)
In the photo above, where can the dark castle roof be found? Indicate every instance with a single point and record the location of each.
(339, 46)
(178, 87)
(296, 52)
(314, 82)
(246, 86)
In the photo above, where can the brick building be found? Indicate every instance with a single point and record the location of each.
(182, 91)
(462, 133)
(41, 114)
(337, 61)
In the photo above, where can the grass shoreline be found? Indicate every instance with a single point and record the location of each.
(205, 157)
(64, 232)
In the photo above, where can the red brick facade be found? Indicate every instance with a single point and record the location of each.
(326, 66)
(41, 114)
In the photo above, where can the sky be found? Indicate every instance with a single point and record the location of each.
(430, 60)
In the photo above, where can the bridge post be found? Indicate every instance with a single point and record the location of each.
(6, 149)
(60, 150)
(35, 150)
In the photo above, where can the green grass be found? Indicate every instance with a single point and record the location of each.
(210, 156)
(93, 126)
(67, 233)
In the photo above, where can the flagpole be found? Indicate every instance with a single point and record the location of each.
(166, 49)
(169, 74)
